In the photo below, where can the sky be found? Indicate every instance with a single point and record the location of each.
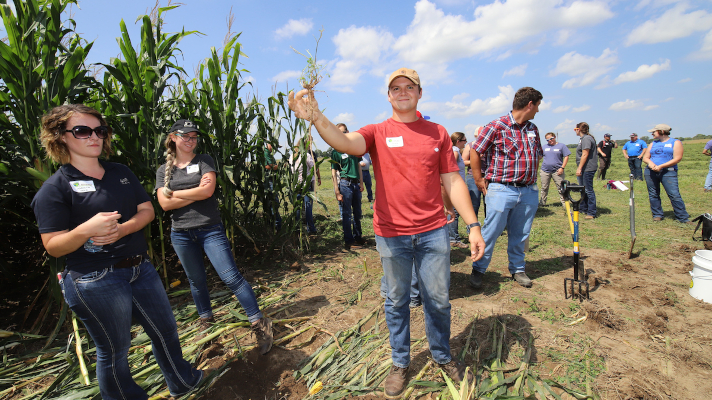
(620, 66)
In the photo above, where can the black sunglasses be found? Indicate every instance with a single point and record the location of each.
(84, 132)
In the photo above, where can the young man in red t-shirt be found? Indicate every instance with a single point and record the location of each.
(410, 156)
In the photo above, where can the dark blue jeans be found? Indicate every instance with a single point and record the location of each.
(475, 194)
(309, 215)
(588, 200)
(452, 228)
(352, 206)
(634, 163)
(106, 301)
(190, 245)
(429, 254)
(367, 183)
(668, 178)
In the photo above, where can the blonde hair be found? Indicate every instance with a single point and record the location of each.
(170, 158)
(457, 136)
(54, 126)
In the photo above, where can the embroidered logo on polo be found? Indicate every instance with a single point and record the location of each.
(124, 181)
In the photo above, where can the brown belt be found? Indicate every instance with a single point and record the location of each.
(130, 262)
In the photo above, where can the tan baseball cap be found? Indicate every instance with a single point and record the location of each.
(661, 127)
(406, 72)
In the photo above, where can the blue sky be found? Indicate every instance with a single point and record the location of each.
(621, 66)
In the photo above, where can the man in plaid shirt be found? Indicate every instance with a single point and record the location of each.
(513, 150)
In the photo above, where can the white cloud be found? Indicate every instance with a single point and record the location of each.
(434, 35)
(519, 70)
(567, 125)
(562, 37)
(584, 69)
(381, 117)
(684, 80)
(250, 79)
(643, 72)
(561, 109)
(294, 27)
(601, 128)
(499, 104)
(361, 50)
(545, 105)
(673, 24)
(583, 108)
(705, 52)
(284, 76)
(631, 105)
(470, 130)
(344, 118)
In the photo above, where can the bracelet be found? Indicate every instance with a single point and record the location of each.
(474, 224)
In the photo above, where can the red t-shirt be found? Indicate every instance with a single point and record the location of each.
(408, 159)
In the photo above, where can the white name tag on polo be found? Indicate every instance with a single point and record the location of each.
(193, 168)
(548, 149)
(556, 149)
(344, 156)
(394, 141)
(82, 186)
(668, 145)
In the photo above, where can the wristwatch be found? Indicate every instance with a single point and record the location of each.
(474, 224)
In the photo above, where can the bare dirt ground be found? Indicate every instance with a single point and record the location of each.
(641, 334)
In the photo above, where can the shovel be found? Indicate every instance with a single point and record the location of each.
(632, 218)
(567, 190)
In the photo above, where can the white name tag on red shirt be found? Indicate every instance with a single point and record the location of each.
(192, 169)
(394, 141)
(531, 133)
(82, 186)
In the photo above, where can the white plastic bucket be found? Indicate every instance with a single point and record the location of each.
(701, 283)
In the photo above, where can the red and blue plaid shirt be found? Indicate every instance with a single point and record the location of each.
(513, 151)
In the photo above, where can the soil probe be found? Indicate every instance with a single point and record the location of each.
(632, 218)
(567, 189)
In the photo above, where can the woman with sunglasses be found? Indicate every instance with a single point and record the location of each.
(458, 143)
(92, 212)
(186, 185)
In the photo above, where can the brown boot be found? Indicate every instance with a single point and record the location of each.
(395, 382)
(203, 325)
(263, 331)
(456, 370)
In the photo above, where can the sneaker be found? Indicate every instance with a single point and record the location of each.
(395, 382)
(657, 219)
(522, 279)
(415, 302)
(263, 330)
(360, 241)
(203, 325)
(459, 245)
(589, 217)
(456, 370)
(476, 279)
(353, 246)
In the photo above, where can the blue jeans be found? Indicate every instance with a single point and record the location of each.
(513, 208)
(351, 203)
(367, 182)
(190, 245)
(668, 177)
(429, 253)
(475, 194)
(708, 181)
(452, 228)
(634, 163)
(414, 290)
(106, 301)
(588, 199)
(309, 215)
(272, 200)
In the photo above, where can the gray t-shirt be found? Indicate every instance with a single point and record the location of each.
(587, 142)
(200, 213)
(554, 157)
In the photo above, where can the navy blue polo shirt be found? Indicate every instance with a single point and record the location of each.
(70, 198)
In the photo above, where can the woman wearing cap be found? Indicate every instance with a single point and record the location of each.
(186, 185)
(92, 212)
(662, 157)
(458, 143)
(587, 160)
